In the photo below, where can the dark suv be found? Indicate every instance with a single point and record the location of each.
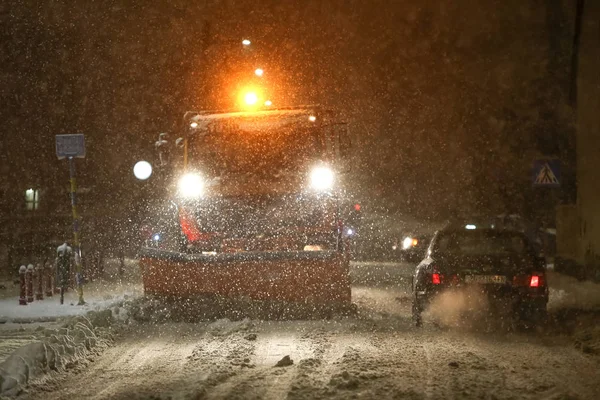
(501, 264)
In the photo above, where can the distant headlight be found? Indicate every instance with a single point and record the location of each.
(409, 242)
(191, 186)
(321, 178)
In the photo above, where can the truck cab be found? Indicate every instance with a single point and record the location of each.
(261, 201)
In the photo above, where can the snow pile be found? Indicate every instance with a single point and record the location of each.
(286, 361)
(568, 292)
(59, 350)
(587, 339)
(574, 308)
(344, 380)
(225, 327)
(15, 335)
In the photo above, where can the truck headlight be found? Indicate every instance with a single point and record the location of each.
(321, 178)
(407, 243)
(191, 186)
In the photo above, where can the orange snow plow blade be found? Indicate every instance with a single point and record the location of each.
(303, 276)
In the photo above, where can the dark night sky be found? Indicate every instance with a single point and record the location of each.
(447, 100)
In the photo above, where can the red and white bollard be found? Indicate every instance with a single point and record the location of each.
(29, 283)
(49, 280)
(22, 295)
(39, 274)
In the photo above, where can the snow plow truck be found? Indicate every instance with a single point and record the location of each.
(259, 201)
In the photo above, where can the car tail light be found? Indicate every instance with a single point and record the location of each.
(534, 281)
(538, 279)
(436, 278)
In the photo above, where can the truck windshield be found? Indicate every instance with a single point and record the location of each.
(262, 145)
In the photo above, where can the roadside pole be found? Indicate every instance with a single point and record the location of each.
(22, 286)
(71, 146)
(76, 250)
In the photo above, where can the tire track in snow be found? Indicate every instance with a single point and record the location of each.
(298, 349)
(148, 367)
(162, 359)
(263, 380)
(525, 364)
(401, 368)
(335, 366)
(121, 367)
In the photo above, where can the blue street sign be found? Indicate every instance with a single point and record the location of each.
(70, 146)
(546, 173)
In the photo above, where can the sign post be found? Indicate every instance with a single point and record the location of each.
(71, 146)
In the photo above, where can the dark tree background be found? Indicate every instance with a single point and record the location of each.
(449, 102)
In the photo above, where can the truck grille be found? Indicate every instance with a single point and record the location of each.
(244, 217)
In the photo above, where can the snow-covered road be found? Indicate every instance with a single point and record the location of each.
(377, 354)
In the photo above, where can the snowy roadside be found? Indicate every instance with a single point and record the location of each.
(575, 309)
(44, 338)
(569, 292)
(98, 296)
(26, 326)
(54, 349)
(35, 354)
(34, 351)
(15, 335)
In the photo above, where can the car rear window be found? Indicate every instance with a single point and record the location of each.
(481, 243)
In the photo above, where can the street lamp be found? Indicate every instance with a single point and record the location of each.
(142, 170)
(259, 72)
(250, 98)
(268, 103)
(246, 42)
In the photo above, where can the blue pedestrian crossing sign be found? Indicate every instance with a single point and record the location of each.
(546, 173)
